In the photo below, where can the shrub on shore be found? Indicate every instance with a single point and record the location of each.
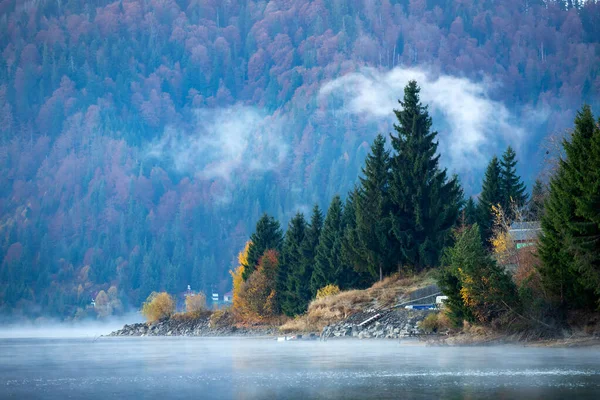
(329, 290)
(158, 306)
(195, 304)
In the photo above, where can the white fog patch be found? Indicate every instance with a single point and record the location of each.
(472, 126)
(224, 141)
(48, 328)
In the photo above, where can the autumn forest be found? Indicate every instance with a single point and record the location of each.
(142, 141)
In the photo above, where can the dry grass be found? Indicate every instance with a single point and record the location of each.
(331, 309)
(298, 324)
(436, 322)
(221, 318)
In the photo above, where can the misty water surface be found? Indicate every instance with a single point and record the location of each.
(147, 368)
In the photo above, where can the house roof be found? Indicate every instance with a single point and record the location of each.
(524, 231)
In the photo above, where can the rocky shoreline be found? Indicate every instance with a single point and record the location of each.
(190, 327)
(394, 324)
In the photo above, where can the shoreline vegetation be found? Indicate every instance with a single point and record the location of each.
(340, 312)
(512, 267)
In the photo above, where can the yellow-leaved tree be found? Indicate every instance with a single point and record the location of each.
(158, 306)
(240, 306)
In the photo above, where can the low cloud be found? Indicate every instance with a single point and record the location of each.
(472, 126)
(224, 141)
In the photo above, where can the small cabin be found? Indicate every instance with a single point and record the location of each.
(525, 233)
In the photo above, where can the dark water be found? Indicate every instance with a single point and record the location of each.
(165, 368)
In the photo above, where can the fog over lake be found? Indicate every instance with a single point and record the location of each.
(246, 368)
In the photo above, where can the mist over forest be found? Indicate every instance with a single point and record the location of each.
(140, 141)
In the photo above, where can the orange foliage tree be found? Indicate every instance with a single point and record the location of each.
(260, 289)
(255, 300)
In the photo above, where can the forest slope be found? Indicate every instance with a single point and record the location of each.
(140, 141)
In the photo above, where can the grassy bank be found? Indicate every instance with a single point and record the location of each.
(332, 309)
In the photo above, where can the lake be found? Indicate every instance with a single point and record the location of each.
(245, 368)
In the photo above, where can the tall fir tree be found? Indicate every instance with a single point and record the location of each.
(378, 251)
(491, 195)
(535, 207)
(289, 274)
(586, 237)
(570, 242)
(328, 255)
(348, 276)
(308, 250)
(514, 192)
(424, 202)
(267, 236)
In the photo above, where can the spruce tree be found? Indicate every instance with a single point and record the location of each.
(470, 212)
(513, 189)
(424, 202)
(328, 254)
(586, 236)
(308, 250)
(290, 266)
(536, 202)
(351, 251)
(478, 289)
(491, 195)
(267, 236)
(569, 245)
(347, 275)
(377, 249)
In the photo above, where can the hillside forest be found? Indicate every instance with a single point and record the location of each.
(142, 141)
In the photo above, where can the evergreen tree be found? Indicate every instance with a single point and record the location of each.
(268, 236)
(478, 289)
(328, 253)
(377, 249)
(470, 212)
(513, 189)
(308, 249)
(491, 195)
(424, 203)
(586, 236)
(570, 245)
(536, 202)
(348, 276)
(290, 267)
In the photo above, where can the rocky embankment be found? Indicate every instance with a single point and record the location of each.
(188, 327)
(380, 325)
